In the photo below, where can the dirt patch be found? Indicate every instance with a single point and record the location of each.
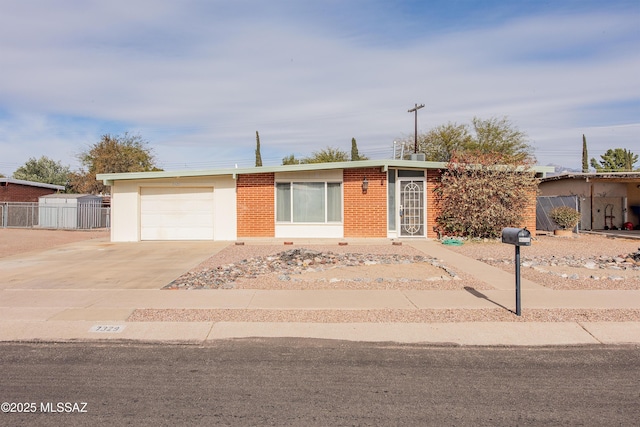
(15, 241)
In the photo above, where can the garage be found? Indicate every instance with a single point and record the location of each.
(176, 213)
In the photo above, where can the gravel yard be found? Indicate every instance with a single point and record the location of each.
(383, 316)
(579, 263)
(371, 267)
(583, 262)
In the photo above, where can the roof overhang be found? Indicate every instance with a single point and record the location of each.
(32, 183)
(384, 165)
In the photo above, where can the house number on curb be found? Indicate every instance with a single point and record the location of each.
(113, 329)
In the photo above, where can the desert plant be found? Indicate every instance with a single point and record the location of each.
(565, 217)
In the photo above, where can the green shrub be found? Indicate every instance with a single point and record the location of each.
(565, 217)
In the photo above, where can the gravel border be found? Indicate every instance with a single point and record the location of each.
(383, 315)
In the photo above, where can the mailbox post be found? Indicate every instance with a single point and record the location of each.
(517, 237)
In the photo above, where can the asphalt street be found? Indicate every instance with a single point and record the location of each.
(306, 382)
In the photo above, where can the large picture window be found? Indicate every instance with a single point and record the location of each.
(308, 202)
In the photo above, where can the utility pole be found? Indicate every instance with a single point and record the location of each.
(415, 110)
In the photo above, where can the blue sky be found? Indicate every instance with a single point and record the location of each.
(198, 78)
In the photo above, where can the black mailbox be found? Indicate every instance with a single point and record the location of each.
(516, 236)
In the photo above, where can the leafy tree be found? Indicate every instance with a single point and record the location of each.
(258, 156)
(44, 170)
(327, 155)
(355, 155)
(494, 135)
(585, 155)
(291, 160)
(112, 154)
(442, 142)
(615, 160)
(481, 193)
(500, 136)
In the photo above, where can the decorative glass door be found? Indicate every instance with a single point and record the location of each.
(411, 210)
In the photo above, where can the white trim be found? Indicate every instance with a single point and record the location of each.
(309, 230)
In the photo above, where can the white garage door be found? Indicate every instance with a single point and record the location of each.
(176, 213)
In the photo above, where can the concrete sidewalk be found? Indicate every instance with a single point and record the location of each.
(88, 290)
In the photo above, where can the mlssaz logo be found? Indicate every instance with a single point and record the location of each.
(64, 407)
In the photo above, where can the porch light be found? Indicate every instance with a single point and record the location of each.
(365, 185)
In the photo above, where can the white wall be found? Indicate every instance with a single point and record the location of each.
(125, 205)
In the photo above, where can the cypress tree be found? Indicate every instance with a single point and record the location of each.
(585, 155)
(354, 150)
(258, 156)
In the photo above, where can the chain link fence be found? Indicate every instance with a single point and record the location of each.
(35, 215)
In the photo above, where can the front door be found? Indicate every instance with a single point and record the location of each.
(411, 209)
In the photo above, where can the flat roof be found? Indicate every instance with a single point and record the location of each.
(69, 196)
(32, 183)
(385, 164)
(599, 176)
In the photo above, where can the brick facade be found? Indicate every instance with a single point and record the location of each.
(14, 192)
(255, 200)
(365, 214)
(433, 210)
(529, 217)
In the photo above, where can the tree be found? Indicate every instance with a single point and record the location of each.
(500, 136)
(494, 135)
(291, 160)
(44, 170)
(327, 155)
(442, 142)
(615, 160)
(585, 155)
(112, 154)
(355, 155)
(481, 193)
(258, 156)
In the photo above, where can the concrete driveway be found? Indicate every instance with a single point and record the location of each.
(100, 264)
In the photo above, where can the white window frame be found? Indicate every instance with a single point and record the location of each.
(326, 183)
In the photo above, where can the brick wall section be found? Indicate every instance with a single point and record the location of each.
(365, 215)
(433, 210)
(255, 205)
(529, 216)
(10, 192)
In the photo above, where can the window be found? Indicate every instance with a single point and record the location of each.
(308, 202)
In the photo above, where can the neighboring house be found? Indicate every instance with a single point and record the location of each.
(17, 190)
(605, 200)
(370, 198)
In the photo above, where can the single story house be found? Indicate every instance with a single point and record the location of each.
(17, 190)
(605, 200)
(370, 198)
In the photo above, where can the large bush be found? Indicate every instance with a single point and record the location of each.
(478, 195)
